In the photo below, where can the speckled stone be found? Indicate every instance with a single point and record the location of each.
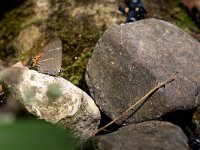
(54, 99)
(131, 59)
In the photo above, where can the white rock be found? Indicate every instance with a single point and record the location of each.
(54, 99)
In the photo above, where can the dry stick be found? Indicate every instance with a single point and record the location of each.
(142, 100)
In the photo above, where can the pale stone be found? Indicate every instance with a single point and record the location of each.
(54, 99)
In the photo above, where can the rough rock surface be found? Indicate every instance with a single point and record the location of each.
(105, 12)
(131, 59)
(152, 135)
(54, 99)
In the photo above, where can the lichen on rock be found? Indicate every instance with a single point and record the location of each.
(53, 99)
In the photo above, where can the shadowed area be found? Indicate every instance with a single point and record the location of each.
(8, 5)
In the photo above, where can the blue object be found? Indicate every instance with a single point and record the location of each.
(134, 10)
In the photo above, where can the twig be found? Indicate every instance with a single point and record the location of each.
(142, 100)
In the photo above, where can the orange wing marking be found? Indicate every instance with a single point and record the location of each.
(36, 58)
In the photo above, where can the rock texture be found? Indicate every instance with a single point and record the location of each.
(152, 135)
(54, 99)
(131, 59)
(105, 12)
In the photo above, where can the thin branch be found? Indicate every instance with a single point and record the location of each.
(140, 101)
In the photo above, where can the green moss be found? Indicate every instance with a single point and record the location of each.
(23, 56)
(181, 17)
(79, 36)
(75, 72)
(10, 27)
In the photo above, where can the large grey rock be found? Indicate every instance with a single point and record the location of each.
(54, 99)
(152, 135)
(131, 59)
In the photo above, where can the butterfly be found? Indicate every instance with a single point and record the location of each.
(49, 60)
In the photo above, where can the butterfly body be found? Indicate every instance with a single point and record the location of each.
(35, 59)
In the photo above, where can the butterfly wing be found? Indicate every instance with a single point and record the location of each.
(51, 61)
